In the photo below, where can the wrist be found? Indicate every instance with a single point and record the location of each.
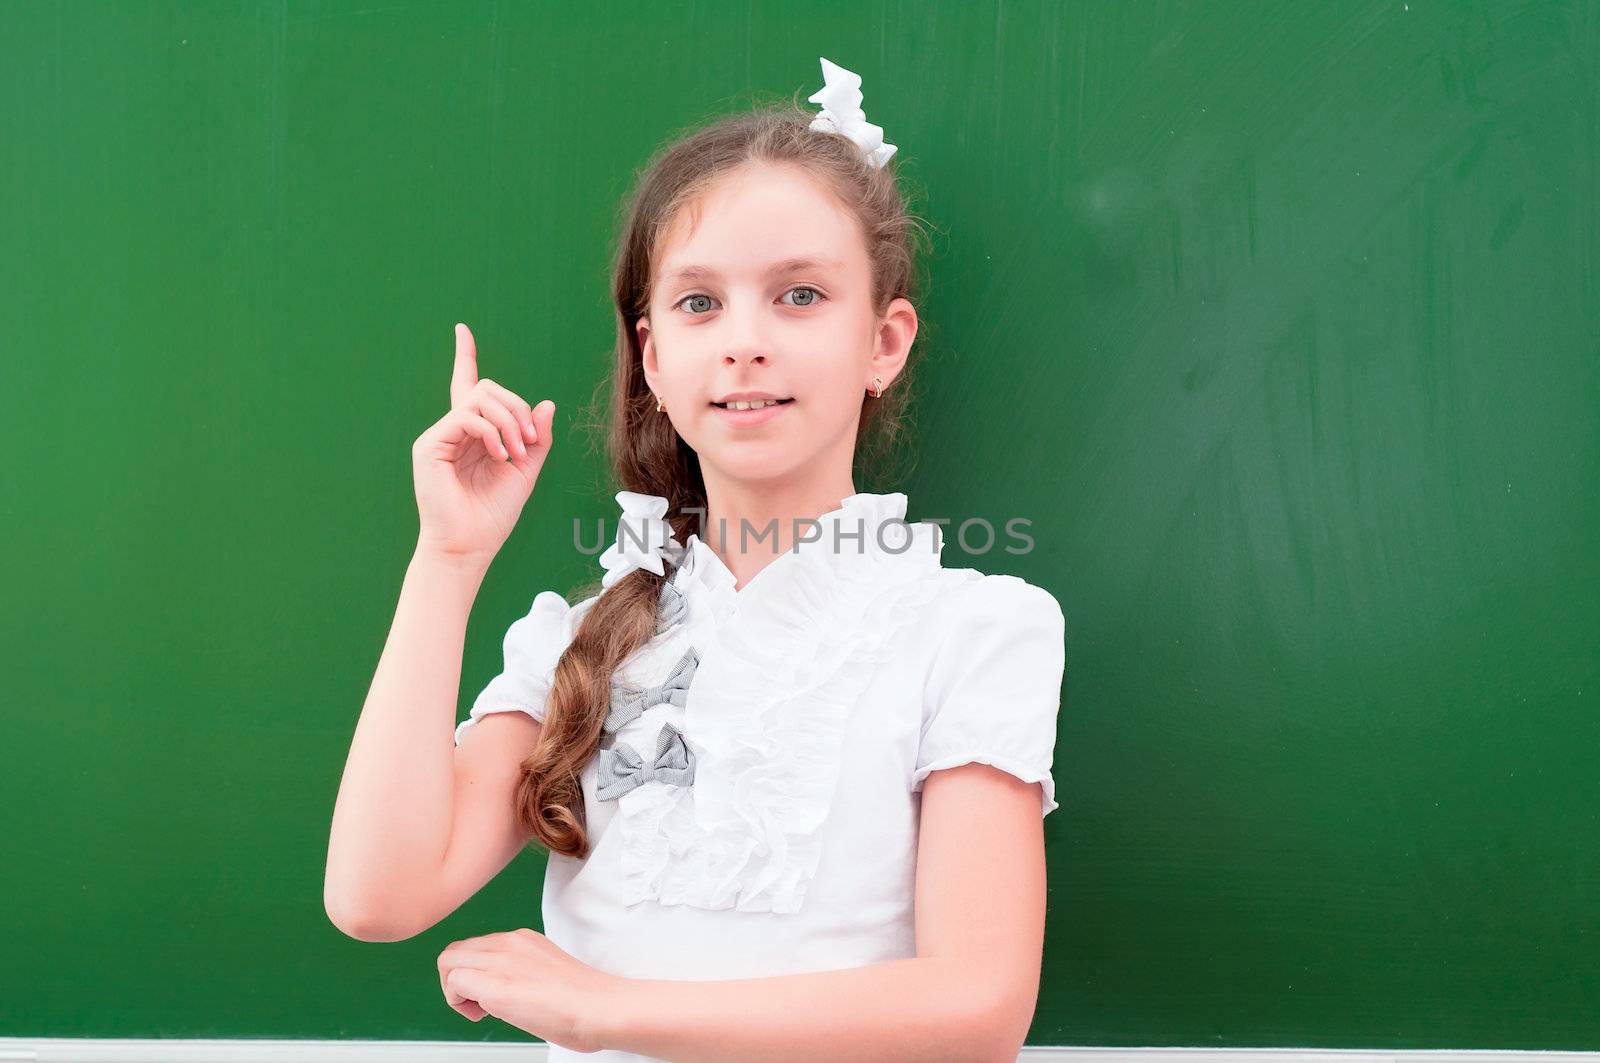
(605, 1023)
(466, 565)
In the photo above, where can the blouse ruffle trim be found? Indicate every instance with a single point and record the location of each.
(1010, 765)
(769, 714)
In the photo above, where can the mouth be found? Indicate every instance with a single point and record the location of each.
(749, 406)
(750, 415)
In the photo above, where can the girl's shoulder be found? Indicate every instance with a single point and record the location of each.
(993, 683)
(964, 599)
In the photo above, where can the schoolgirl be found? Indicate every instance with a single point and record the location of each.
(790, 785)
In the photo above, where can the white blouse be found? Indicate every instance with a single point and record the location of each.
(817, 700)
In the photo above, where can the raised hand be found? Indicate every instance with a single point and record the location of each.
(476, 466)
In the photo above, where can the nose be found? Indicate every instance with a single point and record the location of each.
(744, 338)
(744, 356)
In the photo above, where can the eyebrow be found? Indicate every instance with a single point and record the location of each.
(799, 264)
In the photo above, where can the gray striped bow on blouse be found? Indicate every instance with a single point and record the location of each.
(672, 609)
(627, 703)
(621, 768)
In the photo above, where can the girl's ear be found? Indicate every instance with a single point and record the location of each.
(647, 344)
(896, 332)
(647, 353)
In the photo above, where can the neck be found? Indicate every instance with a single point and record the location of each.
(750, 525)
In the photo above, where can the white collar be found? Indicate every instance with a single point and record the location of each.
(866, 539)
(865, 527)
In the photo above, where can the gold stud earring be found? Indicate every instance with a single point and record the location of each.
(660, 408)
(877, 387)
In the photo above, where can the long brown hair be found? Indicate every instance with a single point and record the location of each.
(647, 455)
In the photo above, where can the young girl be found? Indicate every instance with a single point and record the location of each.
(789, 769)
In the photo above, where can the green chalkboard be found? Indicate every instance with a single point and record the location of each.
(1280, 322)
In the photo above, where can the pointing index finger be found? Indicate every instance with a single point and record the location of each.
(465, 376)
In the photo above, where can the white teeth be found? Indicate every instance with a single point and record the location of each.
(758, 405)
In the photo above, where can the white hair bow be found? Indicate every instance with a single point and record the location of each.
(840, 97)
(644, 538)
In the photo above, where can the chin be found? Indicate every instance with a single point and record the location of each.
(755, 462)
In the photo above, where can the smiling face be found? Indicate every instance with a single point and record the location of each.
(770, 291)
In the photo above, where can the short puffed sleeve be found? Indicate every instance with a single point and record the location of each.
(533, 644)
(994, 689)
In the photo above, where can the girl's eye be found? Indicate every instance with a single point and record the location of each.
(815, 295)
(803, 288)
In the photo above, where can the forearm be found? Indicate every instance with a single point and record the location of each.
(391, 820)
(924, 1009)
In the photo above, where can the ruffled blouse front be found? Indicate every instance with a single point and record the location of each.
(753, 807)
